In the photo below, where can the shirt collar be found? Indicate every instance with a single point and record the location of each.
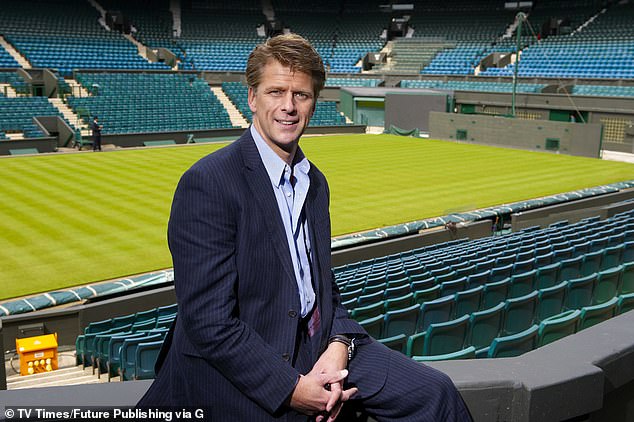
(273, 164)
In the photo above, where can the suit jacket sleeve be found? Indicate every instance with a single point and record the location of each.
(202, 238)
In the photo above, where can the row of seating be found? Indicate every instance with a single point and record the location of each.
(478, 335)
(149, 102)
(126, 346)
(417, 287)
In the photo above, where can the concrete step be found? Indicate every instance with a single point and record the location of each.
(77, 89)
(234, 114)
(68, 113)
(22, 61)
(63, 376)
(8, 91)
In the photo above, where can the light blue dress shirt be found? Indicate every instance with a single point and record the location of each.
(290, 201)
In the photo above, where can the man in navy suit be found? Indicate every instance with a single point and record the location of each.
(261, 333)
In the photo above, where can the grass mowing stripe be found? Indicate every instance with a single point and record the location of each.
(111, 209)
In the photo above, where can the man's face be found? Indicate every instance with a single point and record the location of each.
(282, 106)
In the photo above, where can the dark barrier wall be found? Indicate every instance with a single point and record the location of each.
(603, 206)
(540, 135)
(410, 111)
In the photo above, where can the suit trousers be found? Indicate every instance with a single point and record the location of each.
(410, 391)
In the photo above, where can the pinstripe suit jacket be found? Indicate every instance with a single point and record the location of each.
(234, 340)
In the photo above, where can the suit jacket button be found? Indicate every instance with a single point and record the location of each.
(286, 357)
(292, 314)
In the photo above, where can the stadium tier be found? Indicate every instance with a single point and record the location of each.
(67, 38)
(514, 289)
(492, 297)
(149, 102)
(16, 114)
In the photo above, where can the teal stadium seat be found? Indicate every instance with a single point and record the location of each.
(558, 326)
(514, 344)
(592, 315)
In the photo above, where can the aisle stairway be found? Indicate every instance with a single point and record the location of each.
(14, 53)
(236, 117)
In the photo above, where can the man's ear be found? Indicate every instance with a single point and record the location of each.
(251, 99)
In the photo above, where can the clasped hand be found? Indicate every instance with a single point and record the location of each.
(321, 392)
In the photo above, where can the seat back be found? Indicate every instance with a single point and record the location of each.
(374, 326)
(401, 321)
(592, 315)
(570, 268)
(519, 313)
(608, 285)
(522, 284)
(495, 293)
(397, 342)
(547, 276)
(579, 291)
(612, 256)
(434, 311)
(146, 355)
(591, 262)
(551, 301)
(558, 326)
(485, 325)
(446, 337)
(468, 301)
(515, 344)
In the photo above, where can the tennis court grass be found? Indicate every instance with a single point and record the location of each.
(72, 219)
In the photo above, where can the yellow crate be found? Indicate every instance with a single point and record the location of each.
(37, 354)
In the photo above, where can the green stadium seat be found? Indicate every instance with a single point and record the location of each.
(608, 285)
(397, 342)
(551, 300)
(570, 268)
(402, 321)
(495, 293)
(627, 278)
(369, 311)
(399, 302)
(452, 287)
(547, 276)
(434, 311)
(591, 263)
(625, 303)
(515, 344)
(484, 326)
(446, 337)
(612, 256)
(374, 326)
(592, 315)
(415, 344)
(579, 291)
(426, 295)
(558, 326)
(145, 359)
(522, 284)
(468, 301)
(519, 313)
(466, 353)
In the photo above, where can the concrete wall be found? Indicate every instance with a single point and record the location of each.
(411, 111)
(572, 138)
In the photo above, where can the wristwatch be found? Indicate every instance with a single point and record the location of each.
(348, 341)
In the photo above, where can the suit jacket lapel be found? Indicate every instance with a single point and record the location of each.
(264, 197)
